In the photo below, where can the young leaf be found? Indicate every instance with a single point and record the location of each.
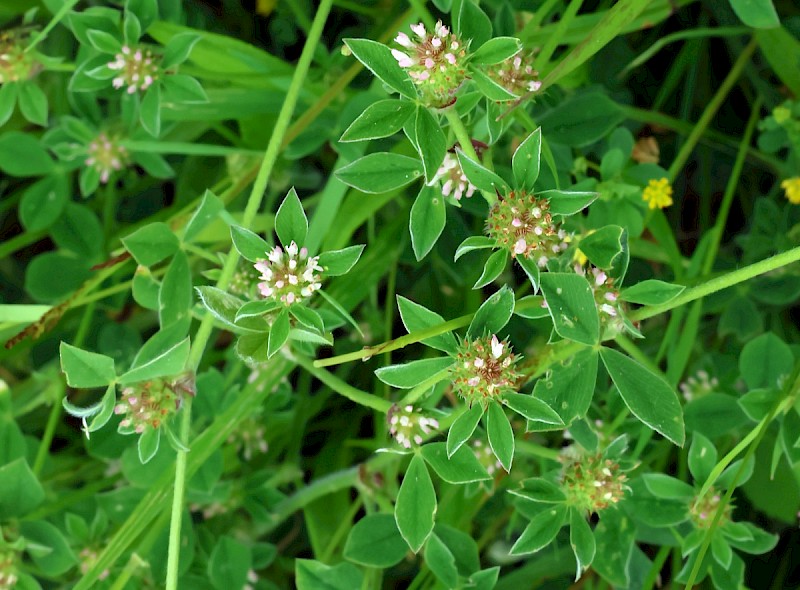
(86, 369)
(427, 221)
(381, 119)
(431, 142)
(496, 50)
(411, 374)
(526, 159)
(531, 408)
(278, 333)
(148, 444)
(415, 507)
(168, 363)
(493, 314)
(473, 243)
(106, 409)
(650, 398)
(571, 305)
(542, 529)
(378, 59)
(481, 177)
(667, 487)
(417, 317)
(441, 562)
(151, 244)
(374, 541)
(651, 292)
(8, 98)
(501, 435)
(461, 430)
(339, 262)
(250, 245)
(380, 172)
(460, 467)
(291, 223)
(568, 202)
(581, 539)
(495, 264)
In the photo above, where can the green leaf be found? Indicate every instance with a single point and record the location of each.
(33, 103)
(378, 59)
(252, 348)
(721, 551)
(542, 529)
(501, 435)
(538, 489)
(381, 119)
(43, 202)
(650, 398)
(22, 155)
(8, 98)
(472, 23)
(20, 491)
(86, 369)
(568, 202)
(582, 119)
(380, 172)
(308, 318)
(441, 561)
(52, 276)
(571, 305)
(759, 14)
(148, 444)
(106, 409)
(491, 90)
(415, 507)
(614, 537)
(178, 49)
(702, 457)
(151, 244)
(250, 245)
(53, 555)
(461, 430)
(103, 42)
(760, 542)
(411, 374)
(669, 488)
(604, 246)
(314, 575)
(526, 160)
(431, 142)
(764, 360)
(651, 292)
(494, 266)
(427, 220)
(496, 50)
(459, 468)
(531, 270)
(210, 207)
(224, 306)
(569, 385)
(131, 27)
(78, 230)
(417, 317)
(168, 363)
(291, 223)
(341, 311)
(581, 539)
(493, 314)
(229, 563)
(782, 51)
(532, 409)
(89, 180)
(375, 541)
(278, 333)
(183, 89)
(150, 110)
(483, 178)
(256, 308)
(175, 295)
(462, 546)
(473, 243)
(339, 262)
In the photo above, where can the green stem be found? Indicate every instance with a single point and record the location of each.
(563, 24)
(658, 563)
(355, 395)
(711, 110)
(19, 241)
(719, 283)
(57, 17)
(187, 149)
(465, 142)
(204, 331)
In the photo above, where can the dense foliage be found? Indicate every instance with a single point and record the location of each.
(449, 294)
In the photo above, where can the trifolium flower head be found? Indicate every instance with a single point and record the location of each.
(8, 572)
(289, 275)
(658, 194)
(606, 295)
(408, 425)
(435, 62)
(791, 186)
(454, 181)
(592, 482)
(516, 74)
(149, 404)
(703, 510)
(137, 68)
(484, 370)
(522, 224)
(16, 64)
(698, 385)
(250, 437)
(486, 457)
(106, 155)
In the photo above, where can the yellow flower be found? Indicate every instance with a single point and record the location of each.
(792, 188)
(658, 193)
(579, 256)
